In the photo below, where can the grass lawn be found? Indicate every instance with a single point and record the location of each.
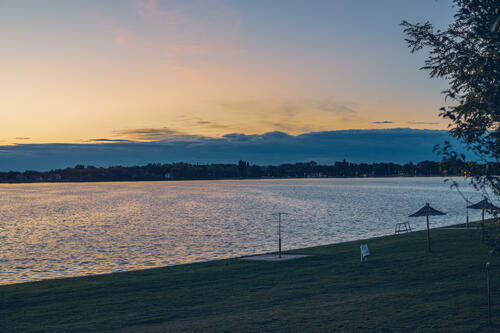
(399, 288)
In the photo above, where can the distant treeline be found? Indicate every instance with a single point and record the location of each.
(179, 171)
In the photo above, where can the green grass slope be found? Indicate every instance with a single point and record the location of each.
(399, 288)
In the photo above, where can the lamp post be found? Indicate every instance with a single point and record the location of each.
(487, 266)
(279, 232)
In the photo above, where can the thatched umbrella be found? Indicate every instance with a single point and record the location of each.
(427, 211)
(483, 205)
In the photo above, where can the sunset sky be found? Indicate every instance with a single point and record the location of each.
(145, 70)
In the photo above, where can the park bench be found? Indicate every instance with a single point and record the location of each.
(402, 227)
(365, 252)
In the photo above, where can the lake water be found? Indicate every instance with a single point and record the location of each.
(60, 230)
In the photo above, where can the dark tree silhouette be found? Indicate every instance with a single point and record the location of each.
(177, 171)
(467, 56)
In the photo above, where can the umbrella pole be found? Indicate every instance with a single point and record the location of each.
(428, 236)
(482, 226)
(279, 235)
(467, 220)
(489, 291)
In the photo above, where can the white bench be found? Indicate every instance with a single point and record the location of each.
(365, 252)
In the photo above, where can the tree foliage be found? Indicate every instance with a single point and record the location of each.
(179, 171)
(467, 56)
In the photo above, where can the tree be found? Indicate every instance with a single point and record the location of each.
(467, 56)
(242, 168)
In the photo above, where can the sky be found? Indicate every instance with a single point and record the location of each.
(94, 72)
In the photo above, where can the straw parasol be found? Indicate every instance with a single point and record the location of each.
(427, 211)
(483, 205)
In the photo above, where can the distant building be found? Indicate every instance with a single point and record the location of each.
(168, 176)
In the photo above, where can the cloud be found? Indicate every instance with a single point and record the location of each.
(288, 111)
(287, 127)
(423, 123)
(127, 38)
(149, 134)
(322, 105)
(152, 9)
(383, 122)
(107, 140)
(192, 123)
(331, 106)
(211, 124)
(20, 138)
(180, 29)
(175, 50)
(398, 145)
(178, 50)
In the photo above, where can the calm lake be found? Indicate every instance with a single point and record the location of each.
(60, 230)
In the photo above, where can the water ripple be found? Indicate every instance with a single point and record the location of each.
(60, 230)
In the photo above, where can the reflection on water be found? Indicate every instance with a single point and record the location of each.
(59, 230)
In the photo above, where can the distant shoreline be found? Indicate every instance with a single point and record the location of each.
(245, 170)
(203, 179)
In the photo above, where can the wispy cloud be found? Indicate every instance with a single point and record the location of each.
(383, 122)
(127, 38)
(22, 138)
(151, 8)
(148, 134)
(423, 123)
(179, 29)
(291, 115)
(190, 123)
(332, 106)
(178, 49)
(107, 140)
(287, 127)
(291, 107)
(211, 124)
(308, 105)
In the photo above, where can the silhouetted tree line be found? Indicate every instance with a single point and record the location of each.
(179, 171)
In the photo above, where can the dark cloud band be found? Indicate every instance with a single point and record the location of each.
(398, 145)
